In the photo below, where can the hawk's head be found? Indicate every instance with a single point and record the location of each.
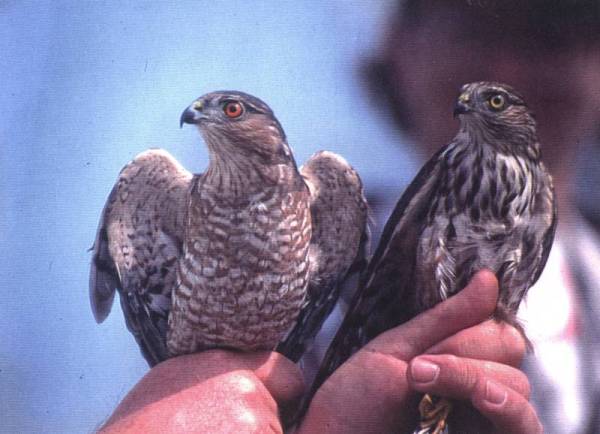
(235, 124)
(496, 113)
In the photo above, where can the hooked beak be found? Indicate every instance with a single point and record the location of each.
(192, 115)
(462, 105)
(460, 109)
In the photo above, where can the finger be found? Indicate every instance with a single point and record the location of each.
(469, 307)
(367, 394)
(282, 378)
(491, 340)
(462, 378)
(508, 410)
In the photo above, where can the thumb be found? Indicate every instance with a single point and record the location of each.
(474, 304)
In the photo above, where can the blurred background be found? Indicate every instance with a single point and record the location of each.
(88, 85)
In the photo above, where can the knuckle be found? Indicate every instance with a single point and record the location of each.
(452, 360)
(242, 382)
(462, 373)
(472, 377)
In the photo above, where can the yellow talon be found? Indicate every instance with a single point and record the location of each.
(434, 414)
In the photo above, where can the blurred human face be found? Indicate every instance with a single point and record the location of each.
(435, 57)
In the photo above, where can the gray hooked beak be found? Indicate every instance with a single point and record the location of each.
(192, 115)
(462, 105)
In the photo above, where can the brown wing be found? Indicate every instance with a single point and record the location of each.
(536, 242)
(137, 245)
(383, 298)
(338, 245)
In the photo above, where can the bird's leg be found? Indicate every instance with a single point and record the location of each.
(434, 413)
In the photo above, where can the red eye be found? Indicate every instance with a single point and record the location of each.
(233, 109)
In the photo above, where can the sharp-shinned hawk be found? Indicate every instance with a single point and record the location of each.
(247, 255)
(484, 201)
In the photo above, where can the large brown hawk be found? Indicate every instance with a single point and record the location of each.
(248, 255)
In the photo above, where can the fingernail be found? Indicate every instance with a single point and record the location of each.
(423, 371)
(495, 394)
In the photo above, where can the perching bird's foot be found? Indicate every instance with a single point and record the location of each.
(434, 413)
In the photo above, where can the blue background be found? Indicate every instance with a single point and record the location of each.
(88, 85)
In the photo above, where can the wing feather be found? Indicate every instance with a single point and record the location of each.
(339, 243)
(383, 286)
(548, 239)
(104, 278)
(137, 245)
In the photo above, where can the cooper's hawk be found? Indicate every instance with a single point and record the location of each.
(233, 257)
(484, 201)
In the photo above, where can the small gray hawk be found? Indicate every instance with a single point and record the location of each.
(248, 255)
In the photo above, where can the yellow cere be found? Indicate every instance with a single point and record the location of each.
(464, 98)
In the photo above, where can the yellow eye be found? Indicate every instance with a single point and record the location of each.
(233, 109)
(496, 101)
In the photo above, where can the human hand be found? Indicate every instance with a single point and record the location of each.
(214, 391)
(451, 350)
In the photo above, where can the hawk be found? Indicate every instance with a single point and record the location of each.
(485, 200)
(247, 255)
